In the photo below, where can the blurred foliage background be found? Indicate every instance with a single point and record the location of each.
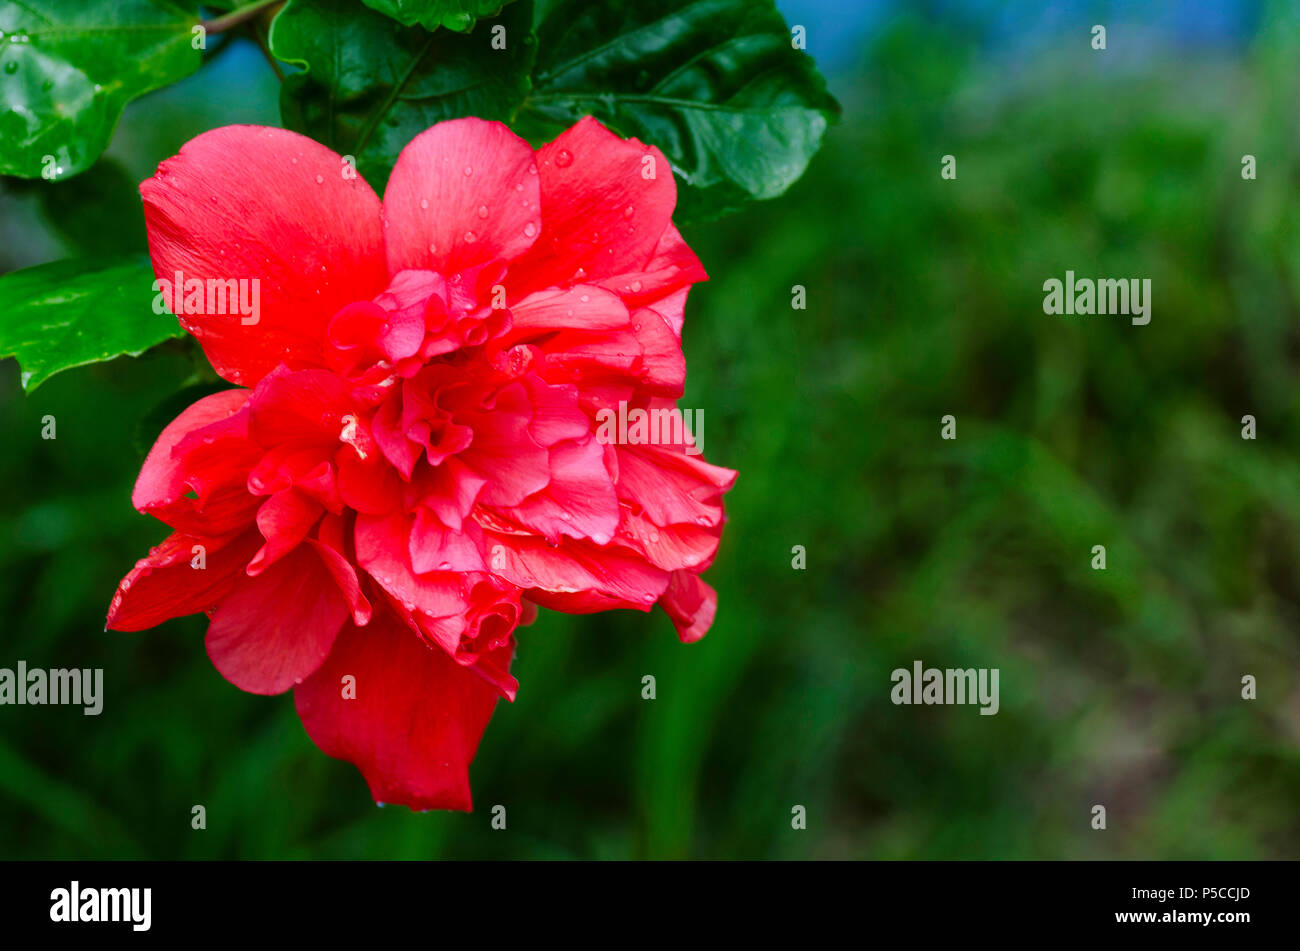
(924, 298)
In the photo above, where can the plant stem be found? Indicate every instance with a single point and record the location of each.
(235, 17)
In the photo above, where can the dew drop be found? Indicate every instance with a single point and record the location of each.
(424, 203)
(530, 229)
(519, 186)
(532, 169)
(433, 249)
(470, 237)
(584, 298)
(482, 211)
(636, 287)
(320, 179)
(469, 170)
(580, 274)
(564, 159)
(628, 211)
(11, 66)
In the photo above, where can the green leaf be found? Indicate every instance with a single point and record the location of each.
(454, 14)
(69, 67)
(372, 85)
(716, 84)
(74, 312)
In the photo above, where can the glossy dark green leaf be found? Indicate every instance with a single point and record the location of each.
(716, 84)
(69, 67)
(371, 85)
(74, 312)
(454, 14)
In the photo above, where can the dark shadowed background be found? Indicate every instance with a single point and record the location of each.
(1119, 687)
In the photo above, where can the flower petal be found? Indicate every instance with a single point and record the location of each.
(272, 631)
(248, 202)
(413, 722)
(461, 194)
(691, 603)
(165, 584)
(606, 202)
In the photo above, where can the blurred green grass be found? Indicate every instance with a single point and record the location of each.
(1119, 687)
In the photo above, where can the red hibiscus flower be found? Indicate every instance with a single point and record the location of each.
(415, 459)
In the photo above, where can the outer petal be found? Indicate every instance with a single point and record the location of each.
(462, 193)
(671, 486)
(602, 212)
(691, 603)
(273, 631)
(164, 584)
(664, 280)
(205, 449)
(244, 202)
(414, 723)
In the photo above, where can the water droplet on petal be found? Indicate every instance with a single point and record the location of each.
(636, 287)
(433, 249)
(469, 169)
(320, 179)
(482, 211)
(584, 298)
(564, 158)
(628, 211)
(470, 237)
(530, 229)
(424, 203)
(519, 186)
(580, 274)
